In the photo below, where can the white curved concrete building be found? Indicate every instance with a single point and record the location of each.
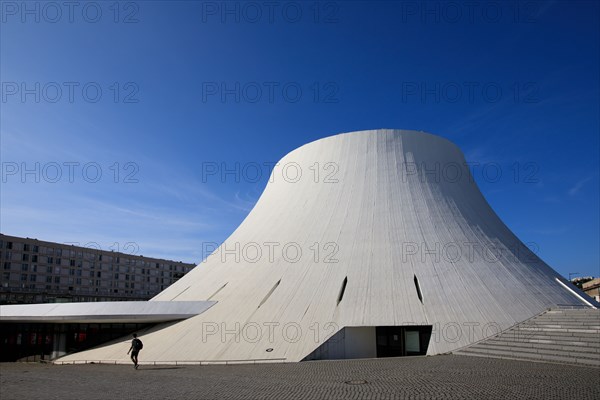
(362, 244)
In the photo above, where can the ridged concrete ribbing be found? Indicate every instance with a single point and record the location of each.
(558, 335)
(392, 231)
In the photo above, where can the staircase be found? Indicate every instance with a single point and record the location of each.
(568, 336)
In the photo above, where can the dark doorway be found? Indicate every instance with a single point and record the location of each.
(399, 341)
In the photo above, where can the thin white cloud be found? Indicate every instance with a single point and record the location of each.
(578, 186)
(164, 219)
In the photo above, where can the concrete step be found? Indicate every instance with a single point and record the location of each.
(568, 319)
(565, 317)
(586, 324)
(570, 342)
(562, 328)
(551, 332)
(573, 313)
(590, 328)
(585, 311)
(511, 354)
(558, 322)
(528, 332)
(534, 342)
(551, 336)
(530, 357)
(576, 348)
(574, 324)
(535, 350)
(560, 331)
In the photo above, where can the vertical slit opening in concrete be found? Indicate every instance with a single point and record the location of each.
(269, 294)
(418, 287)
(215, 293)
(342, 290)
(178, 294)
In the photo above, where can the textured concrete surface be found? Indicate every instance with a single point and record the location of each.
(391, 231)
(442, 377)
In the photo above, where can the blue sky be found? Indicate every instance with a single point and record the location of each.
(121, 107)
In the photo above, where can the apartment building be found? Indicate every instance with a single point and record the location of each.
(36, 271)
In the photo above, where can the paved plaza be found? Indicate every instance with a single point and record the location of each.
(442, 377)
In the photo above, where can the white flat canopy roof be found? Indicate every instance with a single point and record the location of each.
(104, 312)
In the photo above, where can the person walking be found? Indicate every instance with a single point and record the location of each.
(136, 346)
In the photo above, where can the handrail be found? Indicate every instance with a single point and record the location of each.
(575, 293)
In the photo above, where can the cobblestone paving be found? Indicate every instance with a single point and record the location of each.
(440, 377)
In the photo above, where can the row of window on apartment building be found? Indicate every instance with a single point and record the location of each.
(77, 258)
(119, 271)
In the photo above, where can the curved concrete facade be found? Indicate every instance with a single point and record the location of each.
(357, 230)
